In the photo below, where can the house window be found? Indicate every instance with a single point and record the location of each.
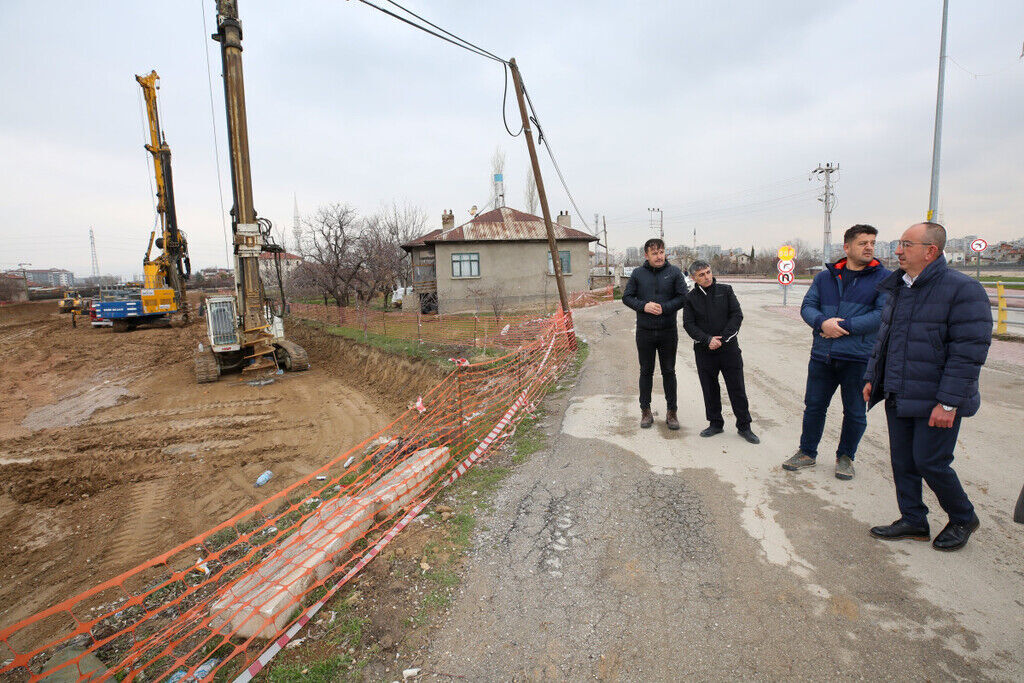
(466, 265)
(563, 256)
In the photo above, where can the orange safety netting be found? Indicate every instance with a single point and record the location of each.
(488, 329)
(209, 605)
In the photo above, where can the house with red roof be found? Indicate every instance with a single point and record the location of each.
(500, 257)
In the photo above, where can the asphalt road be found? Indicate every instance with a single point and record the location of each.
(621, 554)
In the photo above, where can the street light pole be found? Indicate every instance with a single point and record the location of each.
(933, 195)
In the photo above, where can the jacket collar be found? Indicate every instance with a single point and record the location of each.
(839, 267)
(933, 270)
(704, 291)
(651, 268)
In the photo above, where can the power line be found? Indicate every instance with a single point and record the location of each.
(216, 147)
(449, 33)
(465, 45)
(458, 41)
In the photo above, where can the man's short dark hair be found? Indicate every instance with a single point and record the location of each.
(858, 230)
(936, 234)
(698, 266)
(654, 242)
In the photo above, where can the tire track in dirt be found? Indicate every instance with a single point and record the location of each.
(137, 532)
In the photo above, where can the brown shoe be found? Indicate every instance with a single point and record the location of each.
(646, 418)
(671, 420)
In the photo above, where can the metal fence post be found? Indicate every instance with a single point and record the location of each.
(363, 305)
(419, 329)
(384, 322)
(1001, 313)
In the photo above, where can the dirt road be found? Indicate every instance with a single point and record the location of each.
(623, 554)
(110, 453)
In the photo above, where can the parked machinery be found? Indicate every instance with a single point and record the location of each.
(243, 331)
(162, 291)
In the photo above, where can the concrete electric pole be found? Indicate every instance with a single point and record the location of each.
(828, 200)
(933, 195)
(556, 262)
(660, 225)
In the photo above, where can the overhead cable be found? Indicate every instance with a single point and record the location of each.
(459, 42)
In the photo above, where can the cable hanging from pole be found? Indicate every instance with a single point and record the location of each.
(458, 41)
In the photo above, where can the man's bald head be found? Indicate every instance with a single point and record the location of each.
(936, 234)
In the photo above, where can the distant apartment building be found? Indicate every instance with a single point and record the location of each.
(707, 251)
(50, 277)
(269, 264)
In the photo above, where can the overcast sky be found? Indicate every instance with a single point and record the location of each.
(714, 111)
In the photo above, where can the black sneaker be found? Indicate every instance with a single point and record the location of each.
(711, 430)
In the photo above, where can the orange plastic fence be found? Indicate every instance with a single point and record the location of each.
(224, 602)
(505, 330)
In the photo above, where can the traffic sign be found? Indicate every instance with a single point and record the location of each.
(785, 278)
(979, 245)
(787, 253)
(786, 266)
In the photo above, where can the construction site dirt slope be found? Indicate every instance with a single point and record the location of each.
(110, 453)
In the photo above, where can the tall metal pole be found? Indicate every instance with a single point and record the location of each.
(933, 195)
(247, 238)
(828, 201)
(556, 263)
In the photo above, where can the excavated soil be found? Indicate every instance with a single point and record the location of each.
(110, 453)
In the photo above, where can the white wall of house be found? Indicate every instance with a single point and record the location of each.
(515, 272)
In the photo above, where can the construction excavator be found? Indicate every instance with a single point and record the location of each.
(244, 331)
(163, 289)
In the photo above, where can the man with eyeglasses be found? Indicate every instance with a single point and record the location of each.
(935, 333)
(843, 307)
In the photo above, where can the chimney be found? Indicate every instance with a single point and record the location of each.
(564, 219)
(447, 220)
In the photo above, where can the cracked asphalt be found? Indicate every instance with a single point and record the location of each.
(621, 554)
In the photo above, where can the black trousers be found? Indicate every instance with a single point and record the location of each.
(920, 452)
(728, 361)
(664, 344)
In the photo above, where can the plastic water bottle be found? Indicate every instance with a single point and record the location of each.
(264, 478)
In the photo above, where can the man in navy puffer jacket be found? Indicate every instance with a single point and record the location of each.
(843, 308)
(935, 335)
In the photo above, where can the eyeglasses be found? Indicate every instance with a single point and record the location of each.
(903, 244)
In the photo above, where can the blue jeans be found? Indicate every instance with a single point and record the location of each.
(822, 380)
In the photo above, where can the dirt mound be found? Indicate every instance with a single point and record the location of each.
(110, 453)
(389, 377)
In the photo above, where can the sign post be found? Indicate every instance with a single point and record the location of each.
(786, 266)
(977, 246)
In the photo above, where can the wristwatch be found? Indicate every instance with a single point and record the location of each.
(948, 409)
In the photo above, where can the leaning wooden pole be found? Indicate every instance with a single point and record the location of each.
(552, 244)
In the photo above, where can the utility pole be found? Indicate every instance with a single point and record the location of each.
(95, 263)
(933, 195)
(660, 224)
(605, 220)
(828, 200)
(296, 226)
(556, 263)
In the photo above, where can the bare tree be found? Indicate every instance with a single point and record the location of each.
(530, 198)
(332, 248)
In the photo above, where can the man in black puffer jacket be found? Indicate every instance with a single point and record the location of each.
(656, 291)
(712, 318)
